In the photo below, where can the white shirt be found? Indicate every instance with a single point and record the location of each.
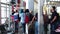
(22, 15)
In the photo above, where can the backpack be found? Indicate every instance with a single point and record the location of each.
(26, 19)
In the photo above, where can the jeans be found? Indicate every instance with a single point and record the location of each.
(36, 27)
(16, 26)
(53, 27)
(23, 26)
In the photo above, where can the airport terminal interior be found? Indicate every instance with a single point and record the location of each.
(29, 16)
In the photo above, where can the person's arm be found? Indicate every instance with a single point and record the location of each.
(33, 19)
(54, 19)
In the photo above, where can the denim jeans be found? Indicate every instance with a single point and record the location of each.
(23, 27)
(16, 26)
(53, 27)
(36, 27)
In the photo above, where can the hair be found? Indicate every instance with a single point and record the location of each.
(21, 11)
(54, 7)
(16, 10)
(27, 10)
(36, 15)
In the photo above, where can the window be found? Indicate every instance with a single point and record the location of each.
(3, 21)
(3, 5)
(8, 9)
(4, 12)
(58, 10)
(5, 1)
(8, 13)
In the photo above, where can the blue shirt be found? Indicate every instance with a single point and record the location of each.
(15, 16)
(22, 15)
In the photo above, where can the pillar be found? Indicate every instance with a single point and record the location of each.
(40, 17)
(0, 12)
(30, 5)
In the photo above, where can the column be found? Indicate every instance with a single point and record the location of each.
(0, 12)
(40, 17)
(30, 5)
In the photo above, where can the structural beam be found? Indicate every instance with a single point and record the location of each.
(0, 12)
(40, 17)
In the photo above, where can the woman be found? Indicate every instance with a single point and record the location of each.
(35, 18)
(22, 20)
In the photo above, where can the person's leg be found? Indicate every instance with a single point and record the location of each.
(36, 27)
(45, 28)
(16, 27)
(52, 28)
(23, 26)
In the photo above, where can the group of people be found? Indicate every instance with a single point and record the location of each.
(53, 21)
(25, 17)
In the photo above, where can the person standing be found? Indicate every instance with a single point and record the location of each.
(54, 19)
(46, 19)
(27, 19)
(16, 15)
(30, 15)
(35, 20)
(22, 20)
(31, 27)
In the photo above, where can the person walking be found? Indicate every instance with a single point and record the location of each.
(16, 16)
(22, 20)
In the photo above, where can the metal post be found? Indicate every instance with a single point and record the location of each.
(9, 16)
(6, 10)
(40, 17)
(0, 12)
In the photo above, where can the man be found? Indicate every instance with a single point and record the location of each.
(54, 19)
(30, 28)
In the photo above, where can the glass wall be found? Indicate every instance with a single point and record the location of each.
(5, 10)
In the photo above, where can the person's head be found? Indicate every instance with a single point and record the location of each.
(53, 9)
(16, 10)
(27, 10)
(21, 11)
